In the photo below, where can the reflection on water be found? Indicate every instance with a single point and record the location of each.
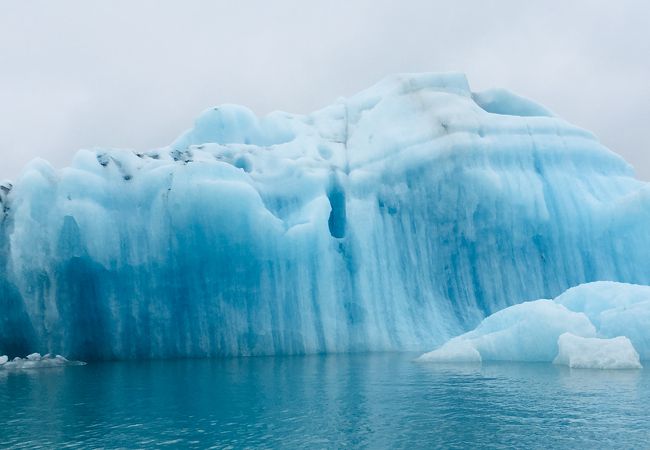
(377, 400)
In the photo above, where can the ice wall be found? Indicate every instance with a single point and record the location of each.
(394, 219)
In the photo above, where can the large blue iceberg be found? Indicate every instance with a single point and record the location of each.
(392, 220)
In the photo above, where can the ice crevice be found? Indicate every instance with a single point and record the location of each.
(337, 217)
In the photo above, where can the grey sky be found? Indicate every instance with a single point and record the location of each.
(82, 74)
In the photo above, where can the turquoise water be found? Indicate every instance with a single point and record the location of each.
(340, 401)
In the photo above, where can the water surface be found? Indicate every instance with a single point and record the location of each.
(365, 400)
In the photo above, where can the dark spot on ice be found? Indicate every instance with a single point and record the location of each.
(127, 177)
(185, 156)
(391, 209)
(103, 159)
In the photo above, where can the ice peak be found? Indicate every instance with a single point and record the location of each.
(406, 83)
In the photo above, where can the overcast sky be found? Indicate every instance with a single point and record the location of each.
(134, 74)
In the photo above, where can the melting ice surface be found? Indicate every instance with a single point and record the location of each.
(392, 220)
(600, 325)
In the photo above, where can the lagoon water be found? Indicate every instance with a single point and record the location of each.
(334, 401)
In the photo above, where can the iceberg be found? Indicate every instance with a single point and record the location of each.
(391, 220)
(599, 325)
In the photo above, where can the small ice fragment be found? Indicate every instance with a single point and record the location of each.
(36, 361)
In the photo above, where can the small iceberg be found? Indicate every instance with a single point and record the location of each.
(36, 361)
(599, 325)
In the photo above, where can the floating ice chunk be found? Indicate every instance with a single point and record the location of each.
(603, 325)
(525, 332)
(595, 353)
(36, 361)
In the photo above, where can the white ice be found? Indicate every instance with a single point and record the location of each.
(36, 361)
(596, 353)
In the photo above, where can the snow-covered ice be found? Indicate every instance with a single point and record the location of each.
(391, 220)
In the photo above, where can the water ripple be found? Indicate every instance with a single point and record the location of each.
(342, 401)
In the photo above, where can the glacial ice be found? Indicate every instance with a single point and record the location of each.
(391, 220)
(596, 353)
(601, 325)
